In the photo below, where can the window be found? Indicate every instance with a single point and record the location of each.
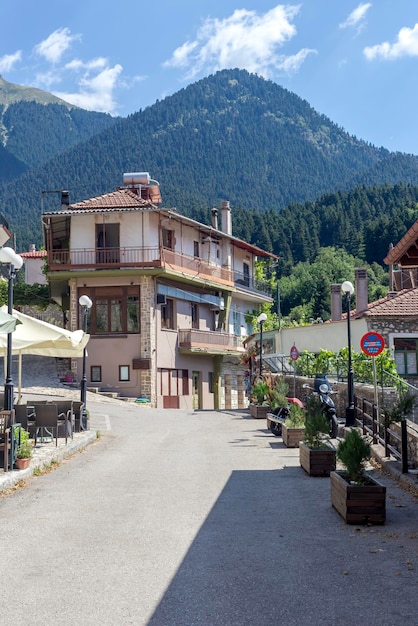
(115, 310)
(167, 314)
(96, 373)
(406, 356)
(211, 385)
(195, 315)
(196, 249)
(124, 373)
(246, 270)
(168, 238)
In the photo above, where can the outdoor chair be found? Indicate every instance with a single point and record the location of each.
(78, 415)
(65, 407)
(6, 438)
(25, 416)
(48, 419)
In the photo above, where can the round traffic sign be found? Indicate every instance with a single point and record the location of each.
(372, 344)
(294, 353)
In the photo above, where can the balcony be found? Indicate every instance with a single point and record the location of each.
(249, 283)
(140, 257)
(209, 342)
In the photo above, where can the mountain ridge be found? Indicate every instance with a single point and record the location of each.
(232, 135)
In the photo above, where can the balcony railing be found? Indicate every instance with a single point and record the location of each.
(243, 281)
(207, 340)
(115, 258)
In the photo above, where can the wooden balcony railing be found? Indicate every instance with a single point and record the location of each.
(207, 340)
(115, 258)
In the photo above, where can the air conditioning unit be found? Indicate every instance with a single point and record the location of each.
(161, 299)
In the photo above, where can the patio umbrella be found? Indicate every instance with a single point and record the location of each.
(33, 336)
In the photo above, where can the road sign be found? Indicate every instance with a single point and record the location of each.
(294, 353)
(372, 344)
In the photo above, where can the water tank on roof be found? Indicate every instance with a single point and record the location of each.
(136, 178)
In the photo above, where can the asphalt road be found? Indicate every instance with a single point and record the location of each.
(198, 518)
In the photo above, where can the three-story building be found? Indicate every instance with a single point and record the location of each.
(169, 295)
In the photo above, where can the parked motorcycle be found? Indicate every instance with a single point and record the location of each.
(279, 415)
(324, 390)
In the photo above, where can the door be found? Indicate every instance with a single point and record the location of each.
(196, 390)
(107, 243)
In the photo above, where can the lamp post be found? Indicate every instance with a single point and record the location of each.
(86, 304)
(261, 319)
(13, 262)
(348, 289)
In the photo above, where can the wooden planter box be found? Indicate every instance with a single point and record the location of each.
(292, 436)
(317, 462)
(259, 411)
(358, 504)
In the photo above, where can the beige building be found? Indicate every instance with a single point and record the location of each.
(169, 295)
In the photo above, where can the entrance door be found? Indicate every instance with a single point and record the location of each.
(196, 390)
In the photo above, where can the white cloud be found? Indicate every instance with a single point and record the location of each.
(54, 46)
(246, 39)
(405, 45)
(357, 18)
(95, 93)
(9, 60)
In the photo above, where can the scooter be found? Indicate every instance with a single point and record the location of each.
(279, 415)
(323, 389)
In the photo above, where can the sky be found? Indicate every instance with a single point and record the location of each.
(355, 62)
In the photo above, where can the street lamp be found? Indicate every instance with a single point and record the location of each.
(348, 289)
(261, 319)
(13, 262)
(86, 304)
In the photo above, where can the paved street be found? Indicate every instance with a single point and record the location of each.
(198, 518)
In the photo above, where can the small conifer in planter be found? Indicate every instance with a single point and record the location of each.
(358, 498)
(316, 455)
(293, 429)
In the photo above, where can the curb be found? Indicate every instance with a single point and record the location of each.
(394, 468)
(44, 455)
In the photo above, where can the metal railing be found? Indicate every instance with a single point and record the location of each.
(243, 281)
(373, 424)
(207, 339)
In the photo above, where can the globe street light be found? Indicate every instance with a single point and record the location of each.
(261, 319)
(348, 289)
(86, 304)
(13, 262)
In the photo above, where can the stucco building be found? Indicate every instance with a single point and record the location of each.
(169, 295)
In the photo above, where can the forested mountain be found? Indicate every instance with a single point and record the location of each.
(35, 126)
(363, 221)
(239, 137)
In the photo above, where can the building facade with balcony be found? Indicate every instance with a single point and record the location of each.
(169, 295)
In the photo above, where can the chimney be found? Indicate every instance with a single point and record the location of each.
(32, 247)
(226, 218)
(336, 303)
(65, 200)
(214, 213)
(362, 298)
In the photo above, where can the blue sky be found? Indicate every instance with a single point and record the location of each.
(355, 62)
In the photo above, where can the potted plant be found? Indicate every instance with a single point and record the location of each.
(358, 498)
(259, 407)
(293, 429)
(278, 405)
(316, 455)
(24, 448)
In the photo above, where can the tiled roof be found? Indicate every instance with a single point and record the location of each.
(397, 304)
(34, 254)
(115, 200)
(404, 248)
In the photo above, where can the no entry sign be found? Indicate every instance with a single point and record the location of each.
(294, 353)
(372, 344)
